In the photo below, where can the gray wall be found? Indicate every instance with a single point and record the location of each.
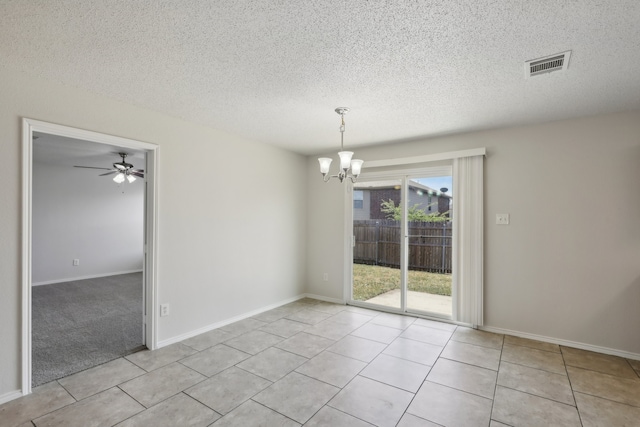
(206, 269)
(560, 270)
(78, 214)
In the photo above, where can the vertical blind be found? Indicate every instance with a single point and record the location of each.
(468, 240)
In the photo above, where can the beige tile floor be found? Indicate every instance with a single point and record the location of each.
(317, 364)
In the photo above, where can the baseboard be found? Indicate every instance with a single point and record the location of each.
(566, 343)
(225, 322)
(10, 396)
(92, 276)
(327, 299)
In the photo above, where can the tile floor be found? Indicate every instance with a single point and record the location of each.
(318, 364)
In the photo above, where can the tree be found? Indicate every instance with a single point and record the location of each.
(415, 214)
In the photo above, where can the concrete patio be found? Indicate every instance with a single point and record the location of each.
(438, 304)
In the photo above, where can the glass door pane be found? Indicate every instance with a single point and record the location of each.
(377, 231)
(430, 213)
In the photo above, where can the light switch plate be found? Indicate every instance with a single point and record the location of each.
(164, 310)
(502, 219)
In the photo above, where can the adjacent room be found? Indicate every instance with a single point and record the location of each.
(341, 213)
(87, 286)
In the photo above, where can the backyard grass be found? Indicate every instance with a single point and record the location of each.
(372, 280)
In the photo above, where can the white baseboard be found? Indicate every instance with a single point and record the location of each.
(92, 276)
(327, 299)
(566, 343)
(10, 396)
(222, 323)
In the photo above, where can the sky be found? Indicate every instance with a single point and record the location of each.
(438, 182)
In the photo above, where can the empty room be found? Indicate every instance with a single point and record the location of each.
(414, 213)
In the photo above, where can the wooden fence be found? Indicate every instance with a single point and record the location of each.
(377, 242)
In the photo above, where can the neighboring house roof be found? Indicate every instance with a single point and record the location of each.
(379, 185)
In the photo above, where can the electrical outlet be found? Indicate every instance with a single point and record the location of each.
(76, 262)
(325, 277)
(164, 310)
(502, 219)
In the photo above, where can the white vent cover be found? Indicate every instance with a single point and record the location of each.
(557, 62)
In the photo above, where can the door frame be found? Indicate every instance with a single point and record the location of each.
(29, 126)
(404, 175)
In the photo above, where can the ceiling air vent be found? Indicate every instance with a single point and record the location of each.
(558, 62)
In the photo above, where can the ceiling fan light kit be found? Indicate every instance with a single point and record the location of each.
(123, 170)
(347, 164)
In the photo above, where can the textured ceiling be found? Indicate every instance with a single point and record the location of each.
(63, 151)
(274, 70)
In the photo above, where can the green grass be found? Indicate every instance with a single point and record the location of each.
(372, 280)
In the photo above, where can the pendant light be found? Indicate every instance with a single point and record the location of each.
(348, 168)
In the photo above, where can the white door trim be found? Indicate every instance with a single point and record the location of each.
(151, 227)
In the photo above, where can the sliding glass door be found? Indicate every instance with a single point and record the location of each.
(402, 245)
(429, 216)
(377, 237)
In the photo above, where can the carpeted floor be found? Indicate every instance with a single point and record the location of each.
(81, 324)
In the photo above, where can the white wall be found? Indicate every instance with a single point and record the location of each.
(80, 215)
(564, 268)
(221, 253)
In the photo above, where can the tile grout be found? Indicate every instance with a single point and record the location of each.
(359, 373)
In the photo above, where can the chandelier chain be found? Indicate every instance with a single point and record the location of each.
(342, 133)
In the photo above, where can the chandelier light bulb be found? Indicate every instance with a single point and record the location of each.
(356, 166)
(325, 164)
(345, 159)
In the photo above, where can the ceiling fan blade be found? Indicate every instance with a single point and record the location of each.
(92, 167)
(108, 173)
(138, 170)
(138, 174)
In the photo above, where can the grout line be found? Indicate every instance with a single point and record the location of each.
(270, 409)
(370, 322)
(426, 376)
(346, 413)
(533, 367)
(471, 364)
(495, 387)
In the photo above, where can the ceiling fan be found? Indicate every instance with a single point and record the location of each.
(122, 169)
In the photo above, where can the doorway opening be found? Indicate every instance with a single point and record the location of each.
(402, 242)
(100, 303)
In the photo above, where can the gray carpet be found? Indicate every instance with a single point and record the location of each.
(81, 324)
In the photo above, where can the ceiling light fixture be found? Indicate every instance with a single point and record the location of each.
(119, 178)
(346, 164)
(123, 170)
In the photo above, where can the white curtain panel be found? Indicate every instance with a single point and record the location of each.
(467, 237)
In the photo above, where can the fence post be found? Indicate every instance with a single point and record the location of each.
(377, 239)
(444, 229)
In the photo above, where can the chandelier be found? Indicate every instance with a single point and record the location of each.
(346, 163)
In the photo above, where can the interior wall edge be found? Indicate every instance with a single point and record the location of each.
(91, 276)
(563, 342)
(225, 322)
(326, 299)
(7, 397)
